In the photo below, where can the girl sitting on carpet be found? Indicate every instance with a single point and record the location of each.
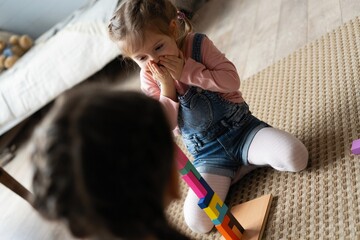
(199, 88)
(104, 165)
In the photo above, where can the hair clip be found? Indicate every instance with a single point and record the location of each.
(181, 15)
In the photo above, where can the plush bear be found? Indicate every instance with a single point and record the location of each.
(13, 49)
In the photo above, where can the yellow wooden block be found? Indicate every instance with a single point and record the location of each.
(211, 210)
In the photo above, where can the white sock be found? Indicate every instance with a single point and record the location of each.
(270, 146)
(195, 217)
(278, 149)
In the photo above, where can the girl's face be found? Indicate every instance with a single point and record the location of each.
(155, 45)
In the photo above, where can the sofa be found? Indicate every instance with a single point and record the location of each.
(62, 57)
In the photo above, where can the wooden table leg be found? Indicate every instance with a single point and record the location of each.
(11, 183)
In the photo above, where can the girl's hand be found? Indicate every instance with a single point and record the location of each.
(174, 64)
(160, 73)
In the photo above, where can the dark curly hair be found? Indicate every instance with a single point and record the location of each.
(102, 160)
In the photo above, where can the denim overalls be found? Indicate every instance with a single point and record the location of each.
(216, 132)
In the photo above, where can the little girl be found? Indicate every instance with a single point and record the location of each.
(199, 88)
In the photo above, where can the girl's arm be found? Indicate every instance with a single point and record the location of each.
(215, 72)
(150, 87)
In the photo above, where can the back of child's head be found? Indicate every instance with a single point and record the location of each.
(102, 161)
(134, 17)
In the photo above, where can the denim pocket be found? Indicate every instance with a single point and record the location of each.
(198, 114)
(240, 116)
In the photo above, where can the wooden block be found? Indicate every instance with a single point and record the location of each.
(236, 226)
(216, 210)
(181, 158)
(355, 147)
(211, 210)
(190, 167)
(227, 231)
(223, 210)
(195, 184)
(205, 201)
(186, 168)
(252, 215)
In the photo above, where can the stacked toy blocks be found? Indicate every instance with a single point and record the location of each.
(355, 147)
(209, 201)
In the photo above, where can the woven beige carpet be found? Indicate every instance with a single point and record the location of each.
(314, 93)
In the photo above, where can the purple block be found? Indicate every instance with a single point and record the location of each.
(355, 148)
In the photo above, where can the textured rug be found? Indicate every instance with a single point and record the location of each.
(314, 93)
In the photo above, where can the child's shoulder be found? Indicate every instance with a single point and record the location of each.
(189, 42)
(190, 36)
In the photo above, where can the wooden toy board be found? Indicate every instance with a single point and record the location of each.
(252, 215)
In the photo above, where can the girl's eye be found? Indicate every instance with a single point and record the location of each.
(142, 58)
(159, 47)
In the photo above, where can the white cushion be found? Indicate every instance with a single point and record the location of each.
(56, 64)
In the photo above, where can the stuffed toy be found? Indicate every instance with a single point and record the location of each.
(13, 49)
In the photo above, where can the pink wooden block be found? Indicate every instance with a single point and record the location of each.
(181, 158)
(195, 184)
(355, 148)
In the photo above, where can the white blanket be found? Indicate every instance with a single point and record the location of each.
(60, 59)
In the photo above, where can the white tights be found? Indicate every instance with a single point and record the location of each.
(270, 147)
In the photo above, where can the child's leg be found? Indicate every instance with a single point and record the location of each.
(242, 171)
(195, 217)
(278, 149)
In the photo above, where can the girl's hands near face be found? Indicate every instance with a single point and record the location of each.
(160, 73)
(174, 64)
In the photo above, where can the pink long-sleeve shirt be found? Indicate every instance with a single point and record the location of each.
(215, 73)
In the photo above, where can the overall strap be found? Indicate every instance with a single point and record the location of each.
(196, 48)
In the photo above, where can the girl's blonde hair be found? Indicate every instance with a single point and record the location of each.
(134, 17)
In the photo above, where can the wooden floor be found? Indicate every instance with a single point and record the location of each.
(256, 33)
(18, 220)
(252, 33)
